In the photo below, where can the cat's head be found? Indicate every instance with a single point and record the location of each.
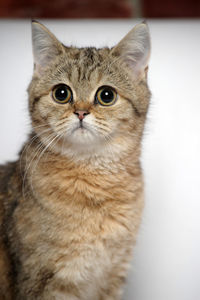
(85, 100)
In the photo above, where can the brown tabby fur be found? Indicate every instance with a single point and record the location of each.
(69, 212)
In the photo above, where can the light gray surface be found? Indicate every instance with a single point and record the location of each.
(166, 263)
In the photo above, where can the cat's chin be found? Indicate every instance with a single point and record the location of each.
(96, 148)
(81, 150)
(81, 136)
(79, 141)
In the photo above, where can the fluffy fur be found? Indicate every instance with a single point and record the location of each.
(70, 207)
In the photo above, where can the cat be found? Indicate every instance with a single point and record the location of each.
(70, 207)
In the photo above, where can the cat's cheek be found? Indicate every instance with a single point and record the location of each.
(44, 108)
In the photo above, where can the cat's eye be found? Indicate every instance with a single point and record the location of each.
(62, 93)
(106, 96)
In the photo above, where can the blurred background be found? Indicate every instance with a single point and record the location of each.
(99, 8)
(166, 261)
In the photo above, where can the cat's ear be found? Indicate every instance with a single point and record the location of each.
(46, 47)
(134, 49)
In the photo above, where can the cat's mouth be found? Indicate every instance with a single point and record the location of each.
(80, 127)
(81, 133)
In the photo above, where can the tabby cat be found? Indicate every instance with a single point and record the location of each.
(71, 205)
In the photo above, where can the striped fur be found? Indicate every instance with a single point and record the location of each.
(70, 207)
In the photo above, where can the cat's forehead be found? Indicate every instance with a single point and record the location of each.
(87, 55)
(87, 64)
(83, 68)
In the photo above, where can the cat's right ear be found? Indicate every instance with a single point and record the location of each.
(46, 47)
(134, 50)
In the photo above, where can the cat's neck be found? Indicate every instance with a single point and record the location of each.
(110, 155)
(53, 176)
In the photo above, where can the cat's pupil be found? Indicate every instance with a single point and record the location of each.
(61, 93)
(107, 95)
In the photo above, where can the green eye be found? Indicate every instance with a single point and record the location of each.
(106, 96)
(62, 93)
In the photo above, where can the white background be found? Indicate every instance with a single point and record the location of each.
(166, 264)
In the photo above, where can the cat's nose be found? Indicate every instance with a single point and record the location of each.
(81, 114)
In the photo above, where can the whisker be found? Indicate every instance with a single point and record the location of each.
(63, 142)
(61, 123)
(51, 143)
(46, 147)
(101, 122)
(37, 150)
(107, 138)
(28, 145)
(39, 126)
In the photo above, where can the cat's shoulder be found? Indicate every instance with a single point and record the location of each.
(5, 270)
(10, 182)
(6, 171)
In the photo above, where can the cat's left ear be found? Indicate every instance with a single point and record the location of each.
(46, 47)
(134, 50)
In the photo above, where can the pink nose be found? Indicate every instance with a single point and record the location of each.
(81, 114)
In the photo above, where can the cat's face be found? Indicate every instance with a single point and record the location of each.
(85, 99)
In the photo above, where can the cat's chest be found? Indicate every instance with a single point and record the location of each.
(82, 184)
(87, 248)
(83, 205)
(100, 204)
(84, 222)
